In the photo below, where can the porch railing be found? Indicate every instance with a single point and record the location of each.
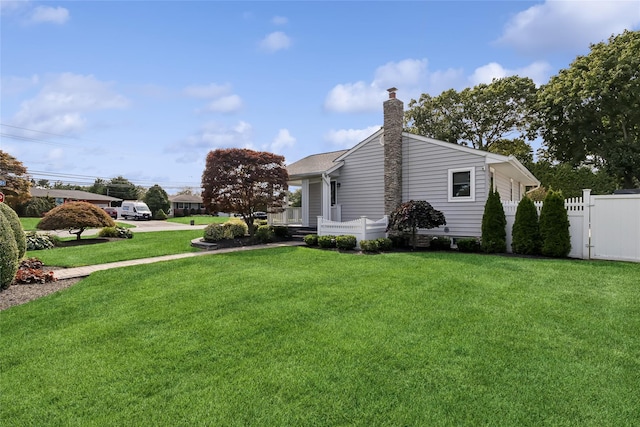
(288, 216)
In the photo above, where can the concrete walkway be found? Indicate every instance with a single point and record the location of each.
(69, 273)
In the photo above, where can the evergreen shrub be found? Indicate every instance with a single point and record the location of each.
(281, 231)
(494, 225)
(525, 235)
(264, 234)
(213, 232)
(8, 253)
(468, 244)
(326, 242)
(346, 242)
(234, 229)
(554, 226)
(384, 244)
(160, 215)
(440, 243)
(311, 240)
(370, 246)
(16, 226)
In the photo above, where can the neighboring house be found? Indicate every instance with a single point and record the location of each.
(184, 203)
(392, 166)
(64, 196)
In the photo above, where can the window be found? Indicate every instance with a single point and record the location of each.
(462, 185)
(333, 193)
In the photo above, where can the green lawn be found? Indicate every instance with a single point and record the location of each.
(301, 337)
(29, 224)
(200, 219)
(143, 245)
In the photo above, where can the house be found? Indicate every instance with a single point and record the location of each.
(392, 166)
(186, 204)
(64, 196)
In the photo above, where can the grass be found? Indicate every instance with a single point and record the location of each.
(296, 336)
(143, 245)
(199, 219)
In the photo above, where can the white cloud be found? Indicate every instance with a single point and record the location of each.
(559, 24)
(279, 20)
(55, 15)
(347, 138)
(212, 135)
(275, 41)
(12, 85)
(538, 71)
(226, 104)
(282, 140)
(207, 91)
(354, 97)
(62, 103)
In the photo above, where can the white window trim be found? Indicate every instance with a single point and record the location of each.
(472, 184)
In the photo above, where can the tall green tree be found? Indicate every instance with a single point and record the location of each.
(526, 229)
(494, 225)
(478, 116)
(99, 186)
(122, 188)
(157, 199)
(572, 180)
(554, 226)
(590, 112)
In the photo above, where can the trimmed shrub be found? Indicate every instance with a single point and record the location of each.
(8, 253)
(525, 234)
(346, 242)
(116, 232)
(36, 242)
(75, 215)
(36, 207)
(326, 242)
(554, 226)
(260, 222)
(213, 232)
(160, 215)
(384, 244)
(415, 214)
(235, 229)
(468, 244)
(369, 246)
(281, 231)
(494, 225)
(440, 243)
(16, 226)
(311, 240)
(264, 234)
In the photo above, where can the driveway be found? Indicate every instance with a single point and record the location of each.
(138, 227)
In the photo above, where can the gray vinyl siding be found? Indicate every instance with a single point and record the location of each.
(425, 176)
(315, 203)
(361, 179)
(503, 185)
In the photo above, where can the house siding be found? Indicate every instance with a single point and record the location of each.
(315, 203)
(426, 177)
(361, 179)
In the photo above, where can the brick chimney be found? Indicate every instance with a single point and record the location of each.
(393, 116)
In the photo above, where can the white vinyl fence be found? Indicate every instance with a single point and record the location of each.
(601, 227)
(362, 228)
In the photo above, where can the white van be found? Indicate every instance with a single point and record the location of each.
(135, 209)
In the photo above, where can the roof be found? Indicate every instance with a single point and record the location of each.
(314, 164)
(185, 198)
(70, 194)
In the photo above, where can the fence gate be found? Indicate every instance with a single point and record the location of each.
(615, 227)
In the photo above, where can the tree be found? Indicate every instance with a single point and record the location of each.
(590, 112)
(122, 188)
(76, 216)
(157, 200)
(295, 198)
(554, 226)
(244, 181)
(526, 230)
(572, 180)
(478, 116)
(494, 225)
(516, 147)
(414, 214)
(16, 189)
(99, 186)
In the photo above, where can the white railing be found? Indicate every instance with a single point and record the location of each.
(288, 216)
(362, 228)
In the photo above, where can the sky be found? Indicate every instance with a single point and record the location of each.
(145, 89)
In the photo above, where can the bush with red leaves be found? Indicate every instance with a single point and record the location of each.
(30, 272)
